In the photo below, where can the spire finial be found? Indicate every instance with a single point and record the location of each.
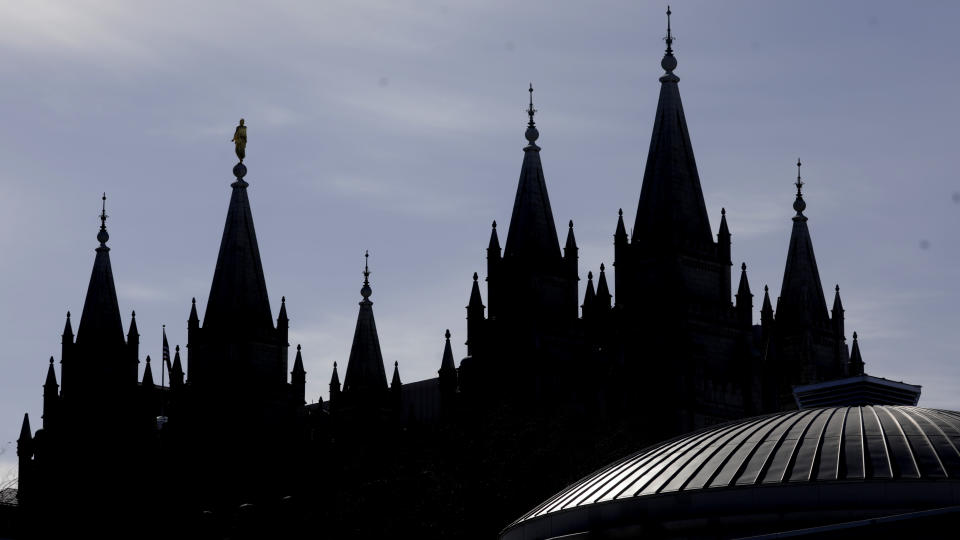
(766, 289)
(854, 336)
(103, 236)
(447, 334)
(590, 275)
(365, 291)
(494, 224)
(743, 267)
(532, 134)
(475, 276)
(837, 288)
(669, 62)
(601, 268)
(723, 211)
(298, 347)
(799, 205)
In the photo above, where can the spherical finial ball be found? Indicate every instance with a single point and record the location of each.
(532, 134)
(239, 170)
(366, 291)
(799, 205)
(102, 236)
(669, 63)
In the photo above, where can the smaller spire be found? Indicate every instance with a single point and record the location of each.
(298, 374)
(147, 375)
(621, 233)
(176, 372)
(26, 434)
(799, 204)
(532, 134)
(744, 296)
(283, 310)
(475, 299)
(603, 291)
(103, 236)
(395, 381)
(837, 304)
(856, 359)
(724, 229)
(68, 328)
(589, 297)
(193, 312)
(334, 383)
(493, 249)
(133, 334)
(766, 312)
(570, 249)
(51, 381)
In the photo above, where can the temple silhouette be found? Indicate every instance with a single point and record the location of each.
(555, 381)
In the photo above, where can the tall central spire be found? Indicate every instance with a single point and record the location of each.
(532, 234)
(671, 208)
(238, 295)
(100, 322)
(801, 296)
(365, 373)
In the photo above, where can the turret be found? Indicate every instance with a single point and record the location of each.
(837, 315)
(723, 253)
(855, 367)
(66, 349)
(570, 252)
(766, 313)
(744, 300)
(589, 299)
(50, 397)
(334, 387)
(493, 267)
(603, 292)
(365, 382)
(475, 320)
(396, 387)
(147, 383)
(133, 347)
(298, 379)
(283, 329)
(447, 372)
(176, 371)
(621, 257)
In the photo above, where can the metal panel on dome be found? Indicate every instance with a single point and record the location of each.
(816, 447)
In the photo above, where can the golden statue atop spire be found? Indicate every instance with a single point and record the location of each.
(240, 139)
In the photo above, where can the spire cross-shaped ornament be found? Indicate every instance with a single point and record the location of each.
(799, 205)
(103, 236)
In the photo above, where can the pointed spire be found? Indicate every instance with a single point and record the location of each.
(365, 371)
(238, 301)
(856, 359)
(26, 434)
(176, 372)
(767, 307)
(671, 210)
(571, 247)
(724, 230)
(193, 312)
(837, 304)
(589, 297)
(334, 381)
(447, 364)
(298, 374)
(147, 375)
(395, 380)
(133, 334)
(494, 246)
(51, 381)
(801, 296)
(475, 300)
(68, 328)
(100, 323)
(603, 291)
(743, 291)
(282, 317)
(621, 232)
(532, 234)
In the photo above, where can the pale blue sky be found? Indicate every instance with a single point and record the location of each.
(398, 126)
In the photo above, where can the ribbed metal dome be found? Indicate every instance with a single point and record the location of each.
(840, 445)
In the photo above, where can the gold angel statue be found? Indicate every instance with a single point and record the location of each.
(240, 140)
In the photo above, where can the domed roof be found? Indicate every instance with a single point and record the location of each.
(787, 459)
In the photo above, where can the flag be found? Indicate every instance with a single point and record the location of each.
(166, 353)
